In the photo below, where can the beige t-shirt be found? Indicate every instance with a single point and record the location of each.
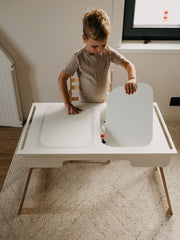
(93, 73)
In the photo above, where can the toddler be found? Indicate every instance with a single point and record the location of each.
(92, 63)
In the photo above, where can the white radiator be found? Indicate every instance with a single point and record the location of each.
(10, 106)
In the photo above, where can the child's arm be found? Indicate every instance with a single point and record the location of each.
(130, 86)
(62, 81)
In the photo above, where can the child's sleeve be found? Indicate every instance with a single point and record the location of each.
(72, 66)
(116, 57)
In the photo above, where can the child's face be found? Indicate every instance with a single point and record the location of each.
(93, 46)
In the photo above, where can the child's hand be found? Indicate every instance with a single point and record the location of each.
(130, 86)
(72, 109)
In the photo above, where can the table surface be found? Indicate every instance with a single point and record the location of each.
(50, 130)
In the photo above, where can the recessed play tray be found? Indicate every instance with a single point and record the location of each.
(62, 130)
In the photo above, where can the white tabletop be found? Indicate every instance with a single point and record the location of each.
(46, 132)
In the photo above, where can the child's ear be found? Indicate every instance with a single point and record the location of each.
(84, 38)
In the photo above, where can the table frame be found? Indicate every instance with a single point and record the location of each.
(32, 160)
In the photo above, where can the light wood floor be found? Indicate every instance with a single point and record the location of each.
(9, 137)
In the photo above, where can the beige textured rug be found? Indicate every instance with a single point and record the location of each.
(81, 201)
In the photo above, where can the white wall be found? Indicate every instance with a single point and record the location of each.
(161, 71)
(42, 35)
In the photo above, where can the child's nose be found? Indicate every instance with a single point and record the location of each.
(99, 49)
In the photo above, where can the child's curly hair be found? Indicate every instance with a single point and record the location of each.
(96, 24)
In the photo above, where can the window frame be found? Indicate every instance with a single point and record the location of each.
(130, 33)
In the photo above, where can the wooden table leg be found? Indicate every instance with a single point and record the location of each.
(165, 189)
(25, 189)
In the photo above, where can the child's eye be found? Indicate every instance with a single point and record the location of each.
(94, 47)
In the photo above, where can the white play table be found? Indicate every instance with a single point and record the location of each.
(51, 136)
